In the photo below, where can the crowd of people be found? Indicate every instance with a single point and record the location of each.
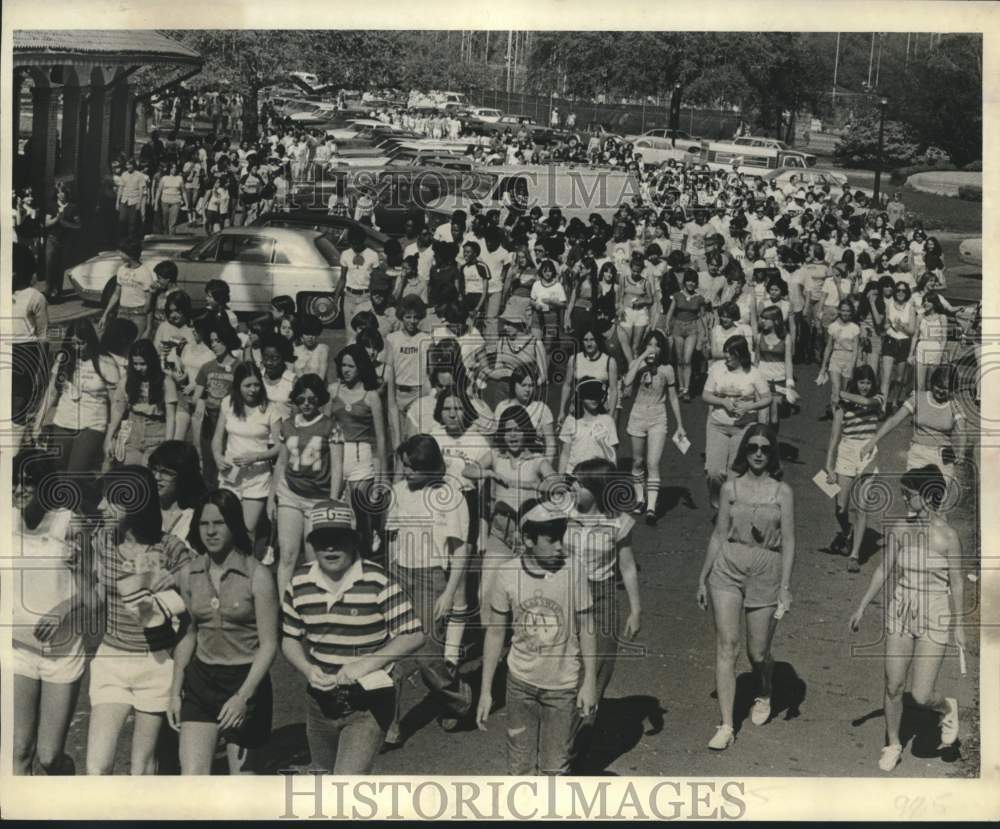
(460, 481)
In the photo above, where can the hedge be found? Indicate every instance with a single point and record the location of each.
(973, 167)
(970, 192)
(901, 174)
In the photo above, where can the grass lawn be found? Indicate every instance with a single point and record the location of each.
(938, 212)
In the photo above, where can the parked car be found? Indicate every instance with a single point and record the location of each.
(663, 139)
(817, 179)
(257, 262)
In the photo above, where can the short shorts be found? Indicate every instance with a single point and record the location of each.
(753, 572)
(291, 500)
(635, 318)
(647, 420)
(62, 669)
(841, 363)
(253, 481)
(722, 442)
(919, 455)
(685, 328)
(142, 680)
(772, 370)
(207, 688)
(849, 460)
(898, 349)
(919, 614)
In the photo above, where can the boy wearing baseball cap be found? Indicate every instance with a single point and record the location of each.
(345, 622)
(551, 666)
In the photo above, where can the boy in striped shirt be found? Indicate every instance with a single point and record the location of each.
(345, 622)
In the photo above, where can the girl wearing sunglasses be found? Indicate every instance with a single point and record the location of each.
(309, 470)
(748, 569)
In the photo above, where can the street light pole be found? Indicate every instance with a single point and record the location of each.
(881, 140)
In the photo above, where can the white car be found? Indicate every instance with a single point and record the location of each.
(817, 179)
(491, 116)
(664, 139)
(258, 263)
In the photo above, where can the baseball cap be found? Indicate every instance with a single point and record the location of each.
(331, 515)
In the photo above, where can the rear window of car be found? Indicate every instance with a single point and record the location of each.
(249, 250)
(328, 250)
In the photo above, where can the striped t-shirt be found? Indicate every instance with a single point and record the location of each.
(341, 623)
(128, 571)
(861, 424)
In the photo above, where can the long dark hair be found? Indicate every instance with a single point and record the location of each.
(740, 465)
(423, 455)
(133, 488)
(362, 362)
(181, 458)
(468, 411)
(244, 370)
(611, 488)
(154, 373)
(228, 504)
(737, 346)
(92, 350)
(661, 339)
(519, 416)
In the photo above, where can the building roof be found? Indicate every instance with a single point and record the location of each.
(107, 45)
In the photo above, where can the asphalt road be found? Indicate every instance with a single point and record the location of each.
(659, 711)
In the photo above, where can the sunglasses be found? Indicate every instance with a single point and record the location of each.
(759, 448)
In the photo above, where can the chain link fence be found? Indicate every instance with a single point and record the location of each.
(621, 118)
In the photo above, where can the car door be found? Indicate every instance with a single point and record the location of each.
(393, 203)
(245, 264)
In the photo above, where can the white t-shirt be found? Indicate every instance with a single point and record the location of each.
(252, 433)
(472, 447)
(739, 384)
(421, 525)
(359, 267)
(549, 294)
(496, 262)
(136, 285)
(406, 356)
(85, 399)
(589, 437)
(28, 304)
(425, 259)
(279, 392)
(593, 538)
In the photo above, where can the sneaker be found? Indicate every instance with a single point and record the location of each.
(650, 518)
(723, 738)
(393, 737)
(761, 711)
(268, 558)
(639, 509)
(853, 565)
(949, 723)
(890, 757)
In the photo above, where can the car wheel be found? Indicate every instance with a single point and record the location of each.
(322, 306)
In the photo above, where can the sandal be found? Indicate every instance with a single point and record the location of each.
(853, 565)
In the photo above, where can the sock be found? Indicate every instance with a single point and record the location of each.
(640, 494)
(654, 491)
(454, 632)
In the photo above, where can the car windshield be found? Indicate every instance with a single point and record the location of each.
(328, 250)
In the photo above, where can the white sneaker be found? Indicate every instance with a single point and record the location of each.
(949, 723)
(890, 757)
(723, 738)
(761, 711)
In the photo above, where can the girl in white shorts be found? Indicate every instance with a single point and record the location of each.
(855, 421)
(636, 299)
(310, 469)
(655, 385)
(246, 442)
(356, 407)
(48, 652)
(132, 670)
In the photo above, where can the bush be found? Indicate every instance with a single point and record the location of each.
(859, 144)
(970, 192)
(933, 155)
(901, 174)
(973, 167)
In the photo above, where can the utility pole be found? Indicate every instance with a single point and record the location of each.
(878, 64)
(906, 63)
(871, 61)
(486, 51)
(881, 141)
(836, 66)
(510, 57)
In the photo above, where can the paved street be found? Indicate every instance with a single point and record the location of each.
(659, 711)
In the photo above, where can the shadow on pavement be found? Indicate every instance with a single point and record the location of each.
(919, 729)
(787, 694)
(287, 749)
(620, 725)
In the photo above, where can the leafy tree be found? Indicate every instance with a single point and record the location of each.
(859, 147)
